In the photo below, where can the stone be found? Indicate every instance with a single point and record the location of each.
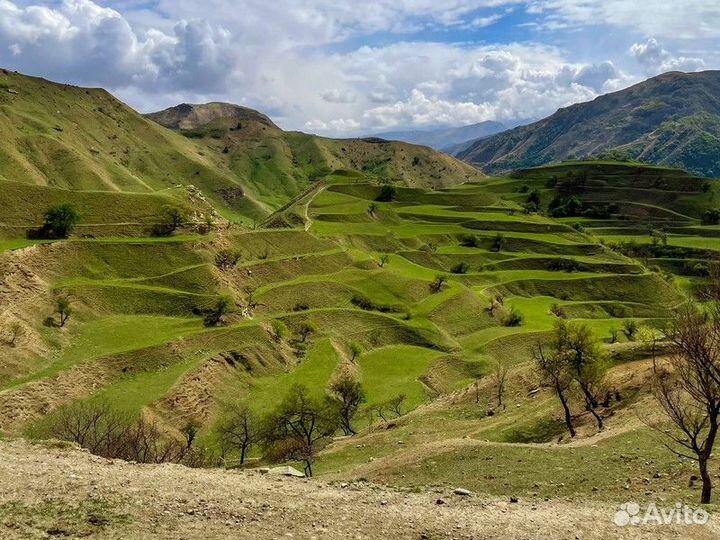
(462, 492)
(286, 471)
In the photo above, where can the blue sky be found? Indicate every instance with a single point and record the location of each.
(345, 68)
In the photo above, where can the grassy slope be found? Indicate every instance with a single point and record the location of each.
(137, 335)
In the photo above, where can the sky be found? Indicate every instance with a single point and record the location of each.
(346, 68)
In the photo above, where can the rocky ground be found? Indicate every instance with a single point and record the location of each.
(48, 492)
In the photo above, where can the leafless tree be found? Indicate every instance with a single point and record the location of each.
(299, 426)
(113, 434)
(687, 387)
(499, 376)
(552, 367)
(396, 404)
(238, 429)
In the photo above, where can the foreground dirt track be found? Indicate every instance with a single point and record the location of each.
(67, 493)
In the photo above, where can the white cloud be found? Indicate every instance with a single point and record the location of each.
(655, 59)
(309, 63)
(677, 19)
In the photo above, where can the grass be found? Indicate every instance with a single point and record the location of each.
(314, 371)
(390, 371)
(372, 279)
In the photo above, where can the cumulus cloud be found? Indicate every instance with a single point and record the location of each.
(655, 59)
(90, 44)
(312, 64)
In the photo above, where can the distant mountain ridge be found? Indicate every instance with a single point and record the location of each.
(672, 119)
(444, 139)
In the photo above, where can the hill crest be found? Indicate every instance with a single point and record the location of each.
(194, 116)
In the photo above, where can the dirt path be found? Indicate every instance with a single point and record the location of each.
(308, 221)
(55, 493)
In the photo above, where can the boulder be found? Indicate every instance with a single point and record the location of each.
(286, 471)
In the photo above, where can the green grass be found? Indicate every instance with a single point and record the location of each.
(139, 303)
(394, 370)
(112, 335)
(314, 371)
(10, 245)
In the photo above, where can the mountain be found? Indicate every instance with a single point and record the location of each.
(186, 116)
(672, 119)
(445, 139)
(81, 139)
(276, 165)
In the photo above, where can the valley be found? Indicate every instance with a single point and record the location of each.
(227, 262)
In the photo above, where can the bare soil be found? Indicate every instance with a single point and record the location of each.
(62, 492)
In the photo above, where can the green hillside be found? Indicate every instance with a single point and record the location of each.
(671, 120)
(277, 165)
(417, 290)
(68, 138)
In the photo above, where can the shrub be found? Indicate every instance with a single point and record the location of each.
(469, 240)
(630, 328)
(512, 318)
(460, 268)
(97, 427)
(60, 221)
(216, 315)
(280, 330)
(711, 217)
(438, 283)
(534, 198)
(387, 193)
(498, 242)
(226, 259)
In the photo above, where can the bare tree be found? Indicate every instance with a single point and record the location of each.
(499, 376)
(688, 387)
(112, 434)
(396, 404)
(63, 309)
(552, 367)
(298, 427)
(237, 429)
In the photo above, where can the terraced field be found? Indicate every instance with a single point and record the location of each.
(365, 272)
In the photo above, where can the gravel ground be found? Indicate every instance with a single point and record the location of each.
(67, 493)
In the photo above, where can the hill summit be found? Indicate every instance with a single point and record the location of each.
(672, 120)
(189, 116)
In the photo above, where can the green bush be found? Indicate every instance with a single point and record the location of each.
(60, 221)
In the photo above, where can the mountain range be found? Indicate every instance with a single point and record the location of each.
(672, 119)
(446, 139)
